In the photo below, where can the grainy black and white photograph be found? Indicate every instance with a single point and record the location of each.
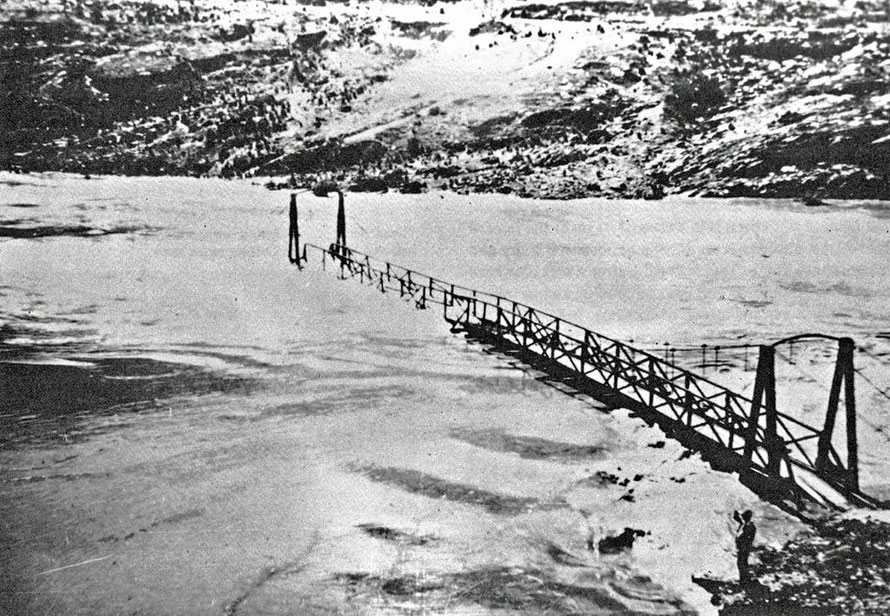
(444, 307)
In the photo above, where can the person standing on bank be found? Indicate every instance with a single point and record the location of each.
(744, 541)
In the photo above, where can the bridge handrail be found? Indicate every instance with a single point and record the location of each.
(478, 296)
(495, 300)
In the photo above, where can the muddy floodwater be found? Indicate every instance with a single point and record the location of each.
(190, 425)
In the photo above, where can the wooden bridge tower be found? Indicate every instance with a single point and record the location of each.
(322, 189)
(842, 383)
(764, 399)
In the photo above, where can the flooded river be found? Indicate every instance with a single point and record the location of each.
(190, 425)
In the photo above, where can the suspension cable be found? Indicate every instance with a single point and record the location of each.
(872, 383)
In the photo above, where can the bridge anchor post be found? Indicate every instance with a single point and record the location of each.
(341, 219)
(843, 382)
(765, 397)
(293, 246)
(322, 189)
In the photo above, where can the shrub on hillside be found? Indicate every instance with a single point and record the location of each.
(692, 95)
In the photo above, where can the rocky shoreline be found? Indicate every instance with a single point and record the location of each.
(837, 567)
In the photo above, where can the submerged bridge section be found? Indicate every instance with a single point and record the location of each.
(782, 458)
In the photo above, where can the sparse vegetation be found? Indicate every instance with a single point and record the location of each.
(693, 95)
(716, 104)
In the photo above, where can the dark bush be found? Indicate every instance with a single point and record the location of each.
(693, 96)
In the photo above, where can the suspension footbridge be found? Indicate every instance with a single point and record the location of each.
(788, 461)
